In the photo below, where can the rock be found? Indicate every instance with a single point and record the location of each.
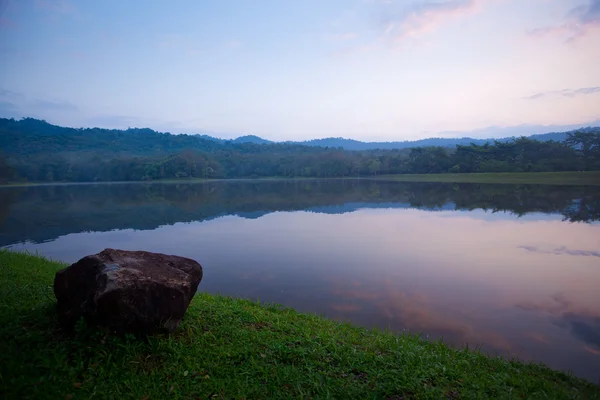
(127, 291)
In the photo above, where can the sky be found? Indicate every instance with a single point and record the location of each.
(301, 69)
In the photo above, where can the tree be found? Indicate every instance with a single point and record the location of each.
(374, 166)
(6, 171)
(588, 143)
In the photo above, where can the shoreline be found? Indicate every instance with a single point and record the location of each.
(234, 348)
(582, 178)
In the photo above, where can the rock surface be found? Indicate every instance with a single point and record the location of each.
(127, 291)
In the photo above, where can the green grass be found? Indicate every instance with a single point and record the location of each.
(236, 349)
(541, 178)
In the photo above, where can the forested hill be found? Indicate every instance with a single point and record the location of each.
(31, 136)
(350, 144)
(28, 136)
(357, 145)
(33, 150)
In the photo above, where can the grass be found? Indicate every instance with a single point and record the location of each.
(229, 348)
(541, 178)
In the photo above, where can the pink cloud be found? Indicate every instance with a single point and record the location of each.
(591, 350)
(538, 337)
(401, 23)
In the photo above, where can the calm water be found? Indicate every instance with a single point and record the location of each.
(513, 268)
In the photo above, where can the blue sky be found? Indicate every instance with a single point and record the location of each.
(299, 69)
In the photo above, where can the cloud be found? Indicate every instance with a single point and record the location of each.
(391, 307)
(400, 21)
(562, 251)
(9, 100)
(589, 13)
(583, 327)
(593, 351)
(9, 93)
(582, 323)
(564, 93)
(8, 108)
(538, 337)
(54, 105)
(18, 104)
(578, 23)
(115, 121)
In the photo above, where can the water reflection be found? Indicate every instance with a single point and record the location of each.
(583, 323)
(362, 252)
(42, 213)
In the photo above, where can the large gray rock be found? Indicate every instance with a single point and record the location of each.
(127, 291)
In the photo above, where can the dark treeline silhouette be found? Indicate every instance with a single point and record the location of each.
(36, 151)
(45, 212)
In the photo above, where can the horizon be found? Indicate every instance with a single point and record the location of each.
(565, 129)
(366, 70)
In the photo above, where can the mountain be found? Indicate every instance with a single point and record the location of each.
(516, 130)
(30, 135)
(251, 139)
(351, 144)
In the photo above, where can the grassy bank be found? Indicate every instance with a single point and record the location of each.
(541, 178)
(228, 348)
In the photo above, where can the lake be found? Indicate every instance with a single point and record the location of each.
(513, 269)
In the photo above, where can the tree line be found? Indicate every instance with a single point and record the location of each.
(35, 151)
